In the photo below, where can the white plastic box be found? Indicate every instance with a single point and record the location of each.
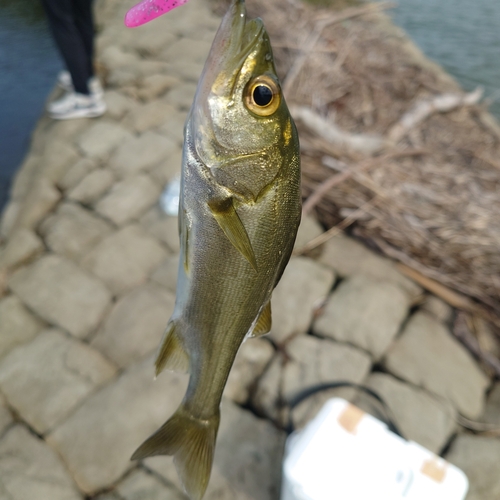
(346, 454)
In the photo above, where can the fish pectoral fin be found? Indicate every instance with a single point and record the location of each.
(226, 216)
(264, 322)
(192, 443)
(172, 354)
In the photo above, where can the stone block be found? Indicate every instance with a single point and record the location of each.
(58, 156)
(141, 153)
(154, 86)
(22, 246)
(73, 231)
(17, 324)
(438, 308)
(6, 418)
(163, 227)
(303, 287)
(420, 416)
(47, 378)
(149, 41)
(428, 356)
(315, 361)
(98, 439)
(492, 410)
(478, 457)
(169, 169)
(76, 173)
(129, 199)
(40, 200)
(267, 395)
(102, 138)
(118, 104)
(140, 485)
(30, 470)
(173, 126)
(309, 229)
(166, 274)
(125, 259)
(247, 461)
(187, 70)
(181, 97)
(191, 50)
(252, 358)
(347, 257)
(149, 116)
(136, 324)
(364, 312)
(62, 294)
(92, 187)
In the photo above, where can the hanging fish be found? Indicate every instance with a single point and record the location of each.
(238, 218)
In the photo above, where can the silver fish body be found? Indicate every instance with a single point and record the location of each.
(238, 217)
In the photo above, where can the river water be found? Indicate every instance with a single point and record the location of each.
(461, 35)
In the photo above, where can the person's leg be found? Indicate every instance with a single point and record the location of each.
(84, 21)
(61, 18)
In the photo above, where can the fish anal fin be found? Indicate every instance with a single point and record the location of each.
(226, 216)
(264, 322)
(172, 354)
(192, 443)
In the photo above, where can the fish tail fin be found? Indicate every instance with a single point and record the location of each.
(192, 443)
(172, 354)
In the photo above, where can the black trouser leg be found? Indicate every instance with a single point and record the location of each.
(85, 24)
(75, 51)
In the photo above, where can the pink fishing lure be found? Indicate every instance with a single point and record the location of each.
(147, 10)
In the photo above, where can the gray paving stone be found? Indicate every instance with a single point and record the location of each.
(30, 470)
(149, 40)
(41, 199)
(191, 50)
(304, 285)
(420, 416)
(478, 457)
(114, 57)
(149, 116)
(173, 126)
(136, 324)
(428, 356)
(47, 378)
(492, 410)
(167, 170)
(93, 186)
(58, 156)
(118, 104)
(181, 97)
(166, 274)
(140, 485)
(252, 358)
(365, 313)
(6, 417)
(76, 173)
(347, 257)
(309, 229)
(187, 70)
(246, 471)
(163, 227)
(98, 439)
(17, 324)
(438, 308)
(125, 259)
(129, 199)
(315, 361)
(155, 86)
(73, 231)
(9, 217)
(62, 294)
(22, 246)
(141, 153)
(99, 140)
(267, 395)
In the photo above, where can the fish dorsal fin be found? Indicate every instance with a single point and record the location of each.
(226, 216)
(172, 354)
(264, 322)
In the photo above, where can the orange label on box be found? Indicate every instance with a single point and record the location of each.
(350, 418)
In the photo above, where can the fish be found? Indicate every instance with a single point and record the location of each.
(239, 211)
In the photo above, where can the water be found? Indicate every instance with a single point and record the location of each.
(463, 36)
(28, 67)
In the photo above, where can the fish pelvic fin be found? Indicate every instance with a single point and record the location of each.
(226, 216)
(172, 354)
(264, 322)
(192, 443)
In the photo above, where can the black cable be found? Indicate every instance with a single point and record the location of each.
(310, 391)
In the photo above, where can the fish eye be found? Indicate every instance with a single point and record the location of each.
(262, 95)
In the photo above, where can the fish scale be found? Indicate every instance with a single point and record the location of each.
(238, 215)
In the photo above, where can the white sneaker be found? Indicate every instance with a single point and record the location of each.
(74, 105)
(64, 81)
